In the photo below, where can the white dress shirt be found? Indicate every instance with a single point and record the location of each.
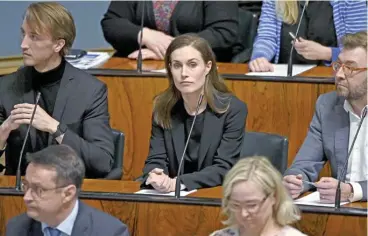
(357, 169)
(66, 227)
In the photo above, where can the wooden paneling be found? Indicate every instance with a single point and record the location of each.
(151, 217)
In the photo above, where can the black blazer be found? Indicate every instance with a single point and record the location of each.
(215, 21)
(89, 222)
(81, 104)
(220, 146)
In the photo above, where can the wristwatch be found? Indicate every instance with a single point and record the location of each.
(60, 130)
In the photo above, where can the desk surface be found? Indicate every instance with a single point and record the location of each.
(124, 191)
(124, 67)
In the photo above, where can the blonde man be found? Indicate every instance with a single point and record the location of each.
(73, 105)
(255, 201)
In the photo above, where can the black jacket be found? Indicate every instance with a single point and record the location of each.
(215, 21)
(220, 145)
(81, 104)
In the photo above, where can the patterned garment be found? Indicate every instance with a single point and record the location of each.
(163, 11)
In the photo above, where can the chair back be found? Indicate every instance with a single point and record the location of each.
(272, 146)
(247, 31)
(116, 172)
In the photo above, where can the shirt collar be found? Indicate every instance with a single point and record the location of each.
(349, 109)
(66, 226)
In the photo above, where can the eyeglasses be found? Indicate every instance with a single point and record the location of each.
(251, 208)
(348, 70)
(37, 191)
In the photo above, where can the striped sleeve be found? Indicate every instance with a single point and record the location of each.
(265, 44)
(356, 15)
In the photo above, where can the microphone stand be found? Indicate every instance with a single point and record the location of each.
(177, 183)
(343, 171)
(140, 59)
(18, 179)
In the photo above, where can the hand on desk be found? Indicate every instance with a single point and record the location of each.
(160, 181)
(327, 186)
(156, 41)
(146, 54)
(260, 65)
(294, 184)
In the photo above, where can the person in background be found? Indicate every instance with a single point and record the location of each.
(217, 136)
(51, 187)
(256, 202)
(333, 128)
(73, 107)
(323, 24)
(215, 21)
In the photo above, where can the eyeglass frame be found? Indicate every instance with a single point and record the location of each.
(36, 193)
(241, 206)
(351, 69)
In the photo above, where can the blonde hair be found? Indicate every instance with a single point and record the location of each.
(355, 40)
(262, 173)
(214, 86)
(53, 18)
(288, 11)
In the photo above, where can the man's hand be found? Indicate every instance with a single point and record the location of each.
(160, 181)
(293, 184)
(22, 114)
(327, 186)
(146, 54)
(156, 41)
(311, 50)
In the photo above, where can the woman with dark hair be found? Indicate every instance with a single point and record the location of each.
(217, 135)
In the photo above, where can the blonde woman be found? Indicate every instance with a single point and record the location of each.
(256, 202)
(323, 24)
(216, 139)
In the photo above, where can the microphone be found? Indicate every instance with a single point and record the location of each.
(343, 171)
(140, 60)
(177, 186)
(18, 181)
(290, 62)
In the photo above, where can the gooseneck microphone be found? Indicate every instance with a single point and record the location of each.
(178, 184)
(290, 62)
(139, 59)
(18, 181)
(342, 175)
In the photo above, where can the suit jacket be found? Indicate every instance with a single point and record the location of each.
(220, 145)
(81, 104)
(327, 140)
(215, 21)
(89, 222)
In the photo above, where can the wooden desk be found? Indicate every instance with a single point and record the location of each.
(198, 214)
(275, 104)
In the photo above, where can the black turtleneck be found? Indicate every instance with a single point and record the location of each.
(48, 83)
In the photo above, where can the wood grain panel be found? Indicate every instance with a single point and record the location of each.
(159, 218)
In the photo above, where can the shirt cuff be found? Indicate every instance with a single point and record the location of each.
(358, 192)
(182, 187)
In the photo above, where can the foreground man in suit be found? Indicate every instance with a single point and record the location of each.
(333, 128)
(73, 107)
(51, 185)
